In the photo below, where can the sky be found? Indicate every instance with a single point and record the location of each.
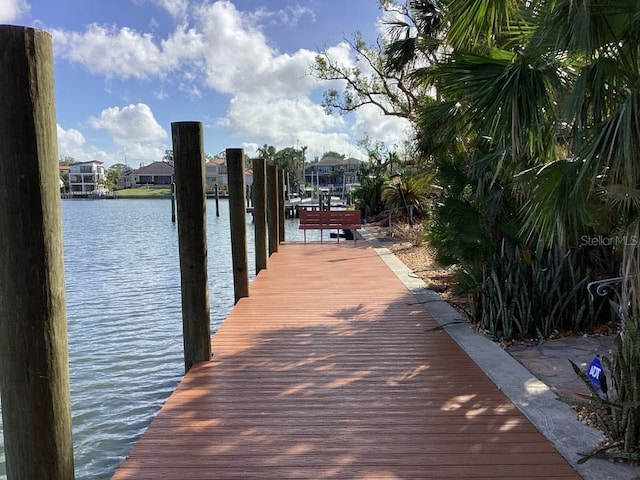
(126, 69)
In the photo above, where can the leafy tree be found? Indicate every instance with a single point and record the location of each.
(369, 195)
(112, 176)
(289, 159)
(369, 80)
(67, 160)
(331, 154)
(268, 152)
(119, 167)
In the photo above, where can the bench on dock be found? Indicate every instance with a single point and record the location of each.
(329, 220)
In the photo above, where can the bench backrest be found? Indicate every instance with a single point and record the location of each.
(330, 218)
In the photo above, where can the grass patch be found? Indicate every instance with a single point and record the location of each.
(144, 192)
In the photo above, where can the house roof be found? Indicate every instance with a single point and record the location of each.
(217, 161)
(87, 163)
(155, 168)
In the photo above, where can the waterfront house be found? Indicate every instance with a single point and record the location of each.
(63, 171)
(161, 174)
(156, 174)
(216, 172)
(85, 177)
(333, 172)
(125, 178)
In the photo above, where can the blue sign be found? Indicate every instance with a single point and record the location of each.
(595, 371)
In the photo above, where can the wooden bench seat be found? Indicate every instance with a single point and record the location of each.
(329, 220)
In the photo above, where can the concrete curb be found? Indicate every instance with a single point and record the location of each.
(554, 419)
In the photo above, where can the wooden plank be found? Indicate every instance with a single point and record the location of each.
(331, 369)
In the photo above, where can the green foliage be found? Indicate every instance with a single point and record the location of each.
(288, 159)
(529, 294)
(369, 195)
(457, 234)
(415, 191)
(380, 75)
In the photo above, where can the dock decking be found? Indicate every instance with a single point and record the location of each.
(332, 369)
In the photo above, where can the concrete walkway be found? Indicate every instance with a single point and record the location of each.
(556, 420)
(549, 361)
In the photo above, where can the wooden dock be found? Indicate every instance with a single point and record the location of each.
(331, 369)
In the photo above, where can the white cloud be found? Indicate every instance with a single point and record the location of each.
(111, 52)
(72, 143)
(124, 52)
(130, 123)
(11, 10)
(224, 50)
(369, 121)
(134, 131)
(287, 123)
(278, 119)
(238, 57)
(176, 8)
(289, 15)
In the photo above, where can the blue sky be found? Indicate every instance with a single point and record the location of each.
(126, 69)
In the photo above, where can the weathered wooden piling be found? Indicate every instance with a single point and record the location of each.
(238, 221)
(281, 204)
(188, 154)
(217, 194)
(272, 208)
(34, 372)
(173, 202)
(260, 212)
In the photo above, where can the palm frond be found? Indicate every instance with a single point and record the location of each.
(615, 150)
(511, 98)
(623, 198)
(555, 210)
(475, 24)
(588, 27)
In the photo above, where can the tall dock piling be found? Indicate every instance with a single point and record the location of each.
(238, 221)
(34, 370)
(272, 208)
(188, 154)
(260, 212)
(281, 204)
(173, 202)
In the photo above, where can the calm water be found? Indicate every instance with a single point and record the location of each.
(124, 318)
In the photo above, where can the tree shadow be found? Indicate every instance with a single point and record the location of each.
(356, 385)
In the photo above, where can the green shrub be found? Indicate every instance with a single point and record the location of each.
(527, 294)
